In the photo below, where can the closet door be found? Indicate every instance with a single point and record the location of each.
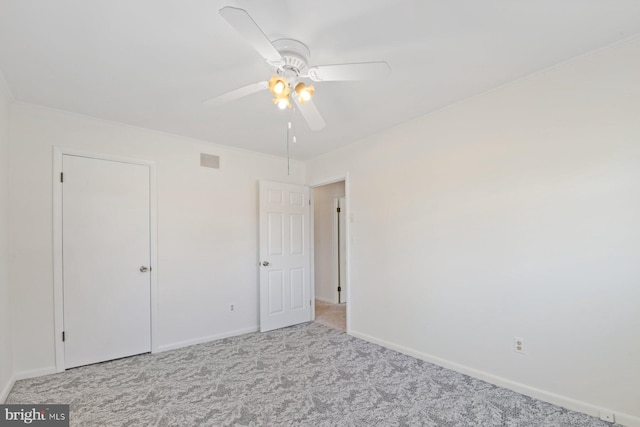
(106, 259)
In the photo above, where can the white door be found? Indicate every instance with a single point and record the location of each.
(285, 289)
(106, 253)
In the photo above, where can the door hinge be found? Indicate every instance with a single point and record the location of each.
(339, 289)
(309, 202)
(62, 336)
(61, 176)
(338, 210)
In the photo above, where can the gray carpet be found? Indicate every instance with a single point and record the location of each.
(307, 375)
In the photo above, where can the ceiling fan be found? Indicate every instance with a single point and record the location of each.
(289, 59)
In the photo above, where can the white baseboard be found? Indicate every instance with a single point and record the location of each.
(23, 375)
(627, 420)
(52, 369)
(7, 389)
(209, 338)
(553, 398)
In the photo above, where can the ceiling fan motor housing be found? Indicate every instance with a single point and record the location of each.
(296, 58)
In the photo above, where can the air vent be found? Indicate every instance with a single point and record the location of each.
(209, 161)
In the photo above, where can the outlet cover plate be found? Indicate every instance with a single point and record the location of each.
(518, 345)
(607, 416)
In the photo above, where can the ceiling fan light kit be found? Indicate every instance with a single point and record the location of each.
(282, 103)
(281, 90)
(304, 92)
(290, 60)
(278, 85)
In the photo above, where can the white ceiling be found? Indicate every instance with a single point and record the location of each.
(151, 63)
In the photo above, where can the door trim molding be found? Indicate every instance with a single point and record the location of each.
(58, 295)
(335, 252)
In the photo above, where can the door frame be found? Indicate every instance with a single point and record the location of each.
(337, 248)
(347, 232)
(58, 291)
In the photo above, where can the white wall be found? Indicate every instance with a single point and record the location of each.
(518, 214)
(207, 228)
(325, 268)
(6, 346)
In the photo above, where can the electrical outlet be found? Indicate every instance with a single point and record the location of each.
(232, 307)
(607, 416)
(518, 345)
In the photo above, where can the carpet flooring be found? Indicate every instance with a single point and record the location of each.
(308, 375)
(332, 315)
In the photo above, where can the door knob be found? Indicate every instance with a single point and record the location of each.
(265, 263)
(144, 269)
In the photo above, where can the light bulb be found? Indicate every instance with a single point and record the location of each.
(304, 92)
(283, 103)
(278, 88)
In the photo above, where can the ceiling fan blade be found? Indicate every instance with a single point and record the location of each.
(310, 113)
(236, 94)
(247, 27)
(344, 72)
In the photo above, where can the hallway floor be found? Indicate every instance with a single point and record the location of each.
(332, 315)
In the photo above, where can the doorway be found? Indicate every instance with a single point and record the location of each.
(330, 254)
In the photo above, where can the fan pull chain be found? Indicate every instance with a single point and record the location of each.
(291, 136)
(294, 113)
(288, 159)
